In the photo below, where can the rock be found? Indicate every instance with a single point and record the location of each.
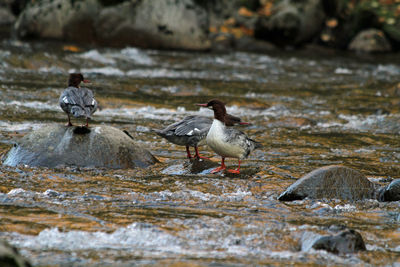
(176, 24)
(250, 44)
(348, 241)
(370, 41)
(292, 22)
(390, 192)
(193, 166)
(97, 146)
(222, 42)
(6, 16)
(10, 257)
(392, 31)
(58, 19)
(333, 181)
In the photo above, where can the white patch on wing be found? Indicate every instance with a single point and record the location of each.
(93, 102)
(197, 130)
(65, 99)
(190, 133)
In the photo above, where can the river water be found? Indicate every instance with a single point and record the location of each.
(308, 110)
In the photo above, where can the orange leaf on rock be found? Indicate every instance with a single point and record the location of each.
(331, 23)
(245, 12)
(71, 48)
(237, 32)
(265, 10)
(230, 21)
(224, 29)
(213, 29)
(247, 31)
(325, 37)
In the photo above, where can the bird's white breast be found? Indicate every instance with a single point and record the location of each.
(220, 143)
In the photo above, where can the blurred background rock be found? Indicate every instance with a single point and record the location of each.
(252, 25)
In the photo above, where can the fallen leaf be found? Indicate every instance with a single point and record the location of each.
(331, 23)
(325, 37)
(71, 48)
(245, 12)
(266, 9)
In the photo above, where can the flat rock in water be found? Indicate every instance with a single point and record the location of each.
(332, 182)
(97, 146)
(193, 166)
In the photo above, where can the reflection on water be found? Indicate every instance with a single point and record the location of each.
(307, 111)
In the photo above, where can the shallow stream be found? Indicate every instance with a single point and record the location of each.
(308, 110)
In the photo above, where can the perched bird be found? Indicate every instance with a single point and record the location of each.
(192, 131)
(77, 101)
(227, 142)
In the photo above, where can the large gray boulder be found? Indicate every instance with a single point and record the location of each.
(97, 146)
(180, 24)
(331, 182)
(58, 19)
(177, 24)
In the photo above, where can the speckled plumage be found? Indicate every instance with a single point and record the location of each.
(76, 101)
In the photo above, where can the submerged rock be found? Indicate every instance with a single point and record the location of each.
(192, 166)
(331, 182)
(348, 241)
(98, 146)
(10, 257)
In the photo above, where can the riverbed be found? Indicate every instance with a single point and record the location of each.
(307, 109)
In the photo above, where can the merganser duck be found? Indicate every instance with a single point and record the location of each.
(192, 131)
(77, 101)
(227, 142)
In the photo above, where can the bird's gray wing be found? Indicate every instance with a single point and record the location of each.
(89, 102)
(193, 125)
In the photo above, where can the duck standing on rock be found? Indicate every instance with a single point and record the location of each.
(227, 142)
(77, 101)
(192, 131)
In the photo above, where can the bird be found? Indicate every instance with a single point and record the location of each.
(226, 141)
(77, 101)
(191, 131)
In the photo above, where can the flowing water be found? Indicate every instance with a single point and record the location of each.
(307, 110)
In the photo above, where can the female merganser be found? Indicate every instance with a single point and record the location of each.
(227, 142)
(192, 131)
(77, 101)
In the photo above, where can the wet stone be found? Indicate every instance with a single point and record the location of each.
(193, 166)
(331, 182)
(391, 192)
(348, 241)
(97, 146)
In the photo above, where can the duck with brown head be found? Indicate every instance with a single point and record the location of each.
(77, 101)
(192, 131)
(227, 142)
